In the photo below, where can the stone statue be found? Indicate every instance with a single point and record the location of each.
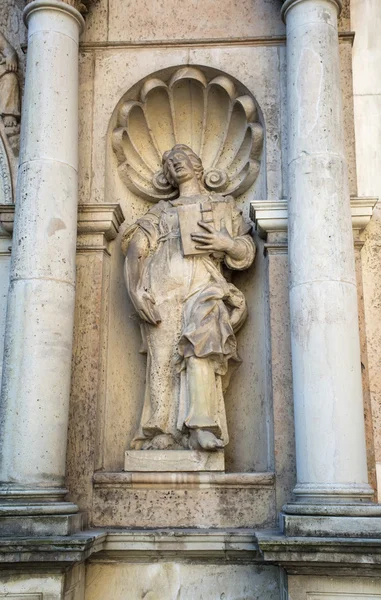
(9, 91)
(176, 255)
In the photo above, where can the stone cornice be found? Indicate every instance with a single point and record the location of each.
(100, 218)
(297, 555)
(98, 224)
(287, 4)
(271, 216)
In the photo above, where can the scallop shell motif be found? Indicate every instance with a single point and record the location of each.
(210, 117)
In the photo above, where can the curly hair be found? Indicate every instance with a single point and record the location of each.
(195, 160)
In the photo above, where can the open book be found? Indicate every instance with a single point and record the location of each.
(212, 212)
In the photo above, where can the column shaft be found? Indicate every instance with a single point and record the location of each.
(39, 328)
(329, 421)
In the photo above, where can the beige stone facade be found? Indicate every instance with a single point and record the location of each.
(281, 102)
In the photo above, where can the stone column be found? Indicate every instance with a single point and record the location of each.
(39, 328)
(329, 420)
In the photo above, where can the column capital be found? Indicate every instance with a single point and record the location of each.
(287, 4)
(74, 7)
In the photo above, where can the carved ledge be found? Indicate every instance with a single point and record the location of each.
(184, 480)
(202, 544)
(272, 216)
(98, 224)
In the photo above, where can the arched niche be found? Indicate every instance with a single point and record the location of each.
(211, 110)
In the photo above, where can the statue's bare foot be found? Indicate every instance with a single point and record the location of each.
(205, 440)
(164, 441)
(9, 121)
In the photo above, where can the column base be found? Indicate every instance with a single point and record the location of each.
(37, 511)
(349, 520)
(333, 493)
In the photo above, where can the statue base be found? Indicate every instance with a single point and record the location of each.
(173, 460)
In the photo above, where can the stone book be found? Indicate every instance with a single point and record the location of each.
(212, 212)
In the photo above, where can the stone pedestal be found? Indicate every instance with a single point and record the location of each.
(173, 460)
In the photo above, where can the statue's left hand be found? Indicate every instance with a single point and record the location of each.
(213, 240)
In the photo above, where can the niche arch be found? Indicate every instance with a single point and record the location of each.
(134, 179)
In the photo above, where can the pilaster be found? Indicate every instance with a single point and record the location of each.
(98, 225)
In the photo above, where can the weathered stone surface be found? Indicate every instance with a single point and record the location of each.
(173, 460)
(154, 21)
(170, 581)
(332, 526)
(57, 585)
(40, 525)
(332, 588)
(97, 226)
(123, 506)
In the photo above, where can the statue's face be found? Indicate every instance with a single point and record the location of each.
(179, 166)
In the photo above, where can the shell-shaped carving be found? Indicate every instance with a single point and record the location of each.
(211, 117)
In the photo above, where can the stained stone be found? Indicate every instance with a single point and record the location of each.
(173, 460)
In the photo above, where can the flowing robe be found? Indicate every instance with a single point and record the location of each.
(200, 312)
(9, 93)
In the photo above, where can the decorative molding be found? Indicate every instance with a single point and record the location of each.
(100, 218)
(98, 224)
(203, 544)
(22, 596)
(298, 556)
(341, 596)
(176, 480)
(213, 116)
(287, 4)
(272, 40)
(271, 216)
(321, 555)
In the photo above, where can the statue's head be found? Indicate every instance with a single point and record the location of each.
(181, 164)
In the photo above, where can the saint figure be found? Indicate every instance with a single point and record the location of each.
(9, 85)
(189, 310)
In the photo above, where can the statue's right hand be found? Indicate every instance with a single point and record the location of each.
(10, 62)
(145, 305)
